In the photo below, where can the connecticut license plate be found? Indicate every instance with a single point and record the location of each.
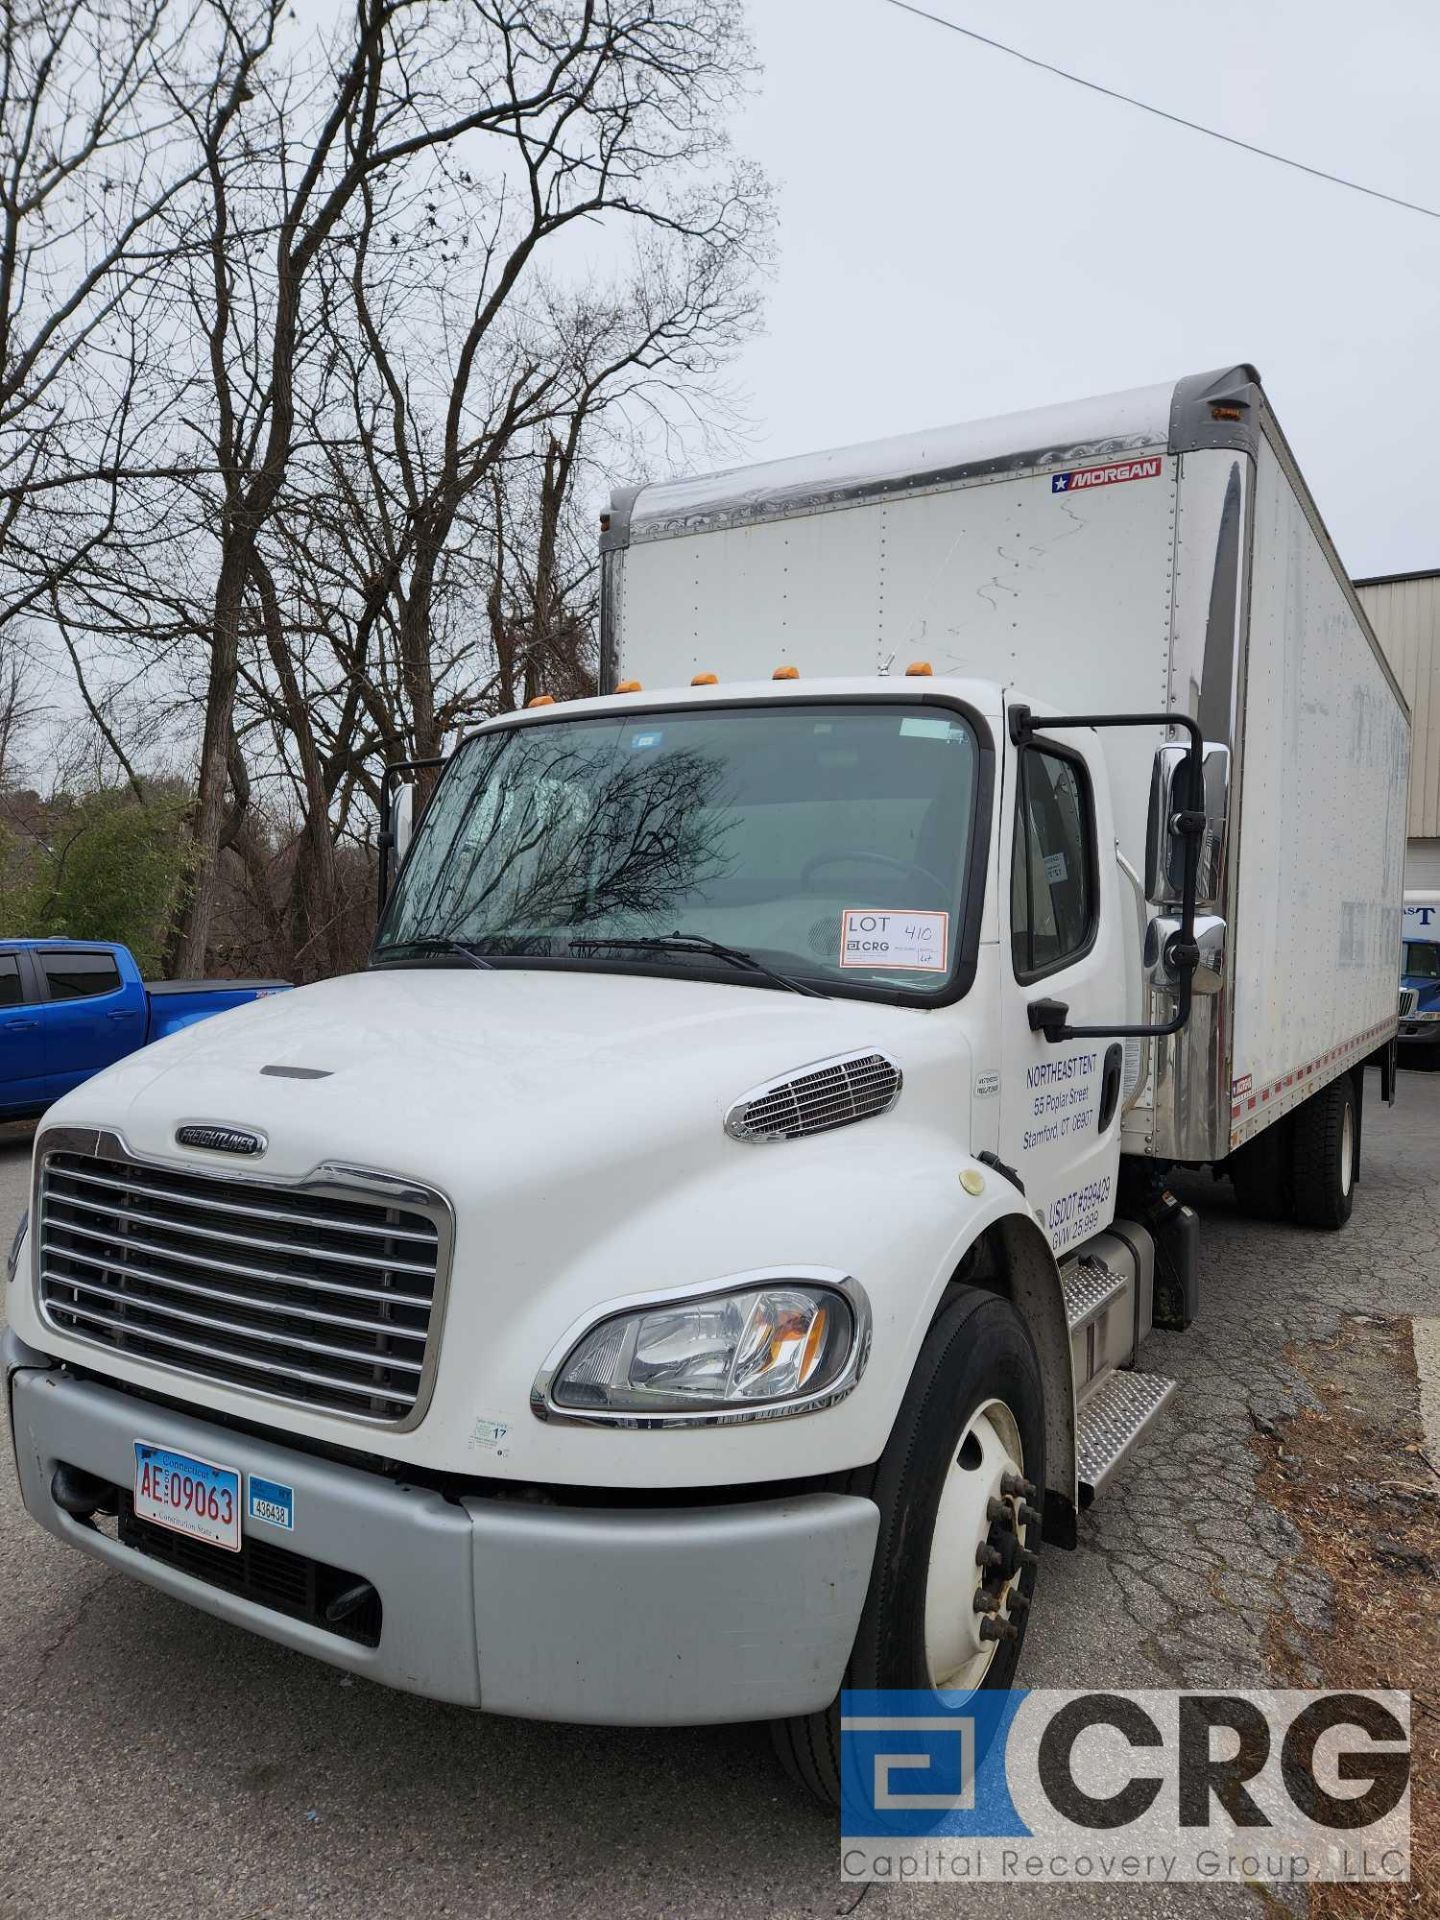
(187, 1495)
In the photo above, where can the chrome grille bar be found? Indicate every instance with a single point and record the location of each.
(248, 1240)
(210, 1203)
(135, 1307)
(272, 1275)
(328, 1301)
(350, 1387)
(255, 1304)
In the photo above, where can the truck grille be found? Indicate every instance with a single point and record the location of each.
(1409, 1001)
(295, 1293)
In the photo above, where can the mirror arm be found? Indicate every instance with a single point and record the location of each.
(1182, 953)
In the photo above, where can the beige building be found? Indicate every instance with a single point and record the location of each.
(1404, 609)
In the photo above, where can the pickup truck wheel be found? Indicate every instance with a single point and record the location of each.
(1324, 1151)
(958, 1488)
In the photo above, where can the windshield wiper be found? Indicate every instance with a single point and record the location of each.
(697, 943)
(466, 953)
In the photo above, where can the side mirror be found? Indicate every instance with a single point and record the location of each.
(1209, 972)
(402, 821)
(1165, 850)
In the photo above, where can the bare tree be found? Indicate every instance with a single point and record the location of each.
(20, 706)
(94, 149)
(305, 440)
(587, 104)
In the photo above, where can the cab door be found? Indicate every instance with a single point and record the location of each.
(1060, 1104)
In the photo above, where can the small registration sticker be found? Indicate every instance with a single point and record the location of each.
(271, 1501)
(187, 1495)
(912, 942)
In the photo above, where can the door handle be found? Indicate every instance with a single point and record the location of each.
(20, 1026)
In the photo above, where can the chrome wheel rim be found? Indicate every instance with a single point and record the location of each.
(978, 1552)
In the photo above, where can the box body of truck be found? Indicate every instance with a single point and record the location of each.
(1155, 549)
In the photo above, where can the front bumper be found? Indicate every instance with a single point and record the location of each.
(1419, 1033)
(668, 1616)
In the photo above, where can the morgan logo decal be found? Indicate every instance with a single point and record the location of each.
(216, 1139)
(1111, 476)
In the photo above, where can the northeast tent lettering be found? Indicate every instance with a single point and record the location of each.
(1062, 1099)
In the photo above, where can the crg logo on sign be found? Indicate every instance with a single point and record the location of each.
(217, 1139)
(1146, 469)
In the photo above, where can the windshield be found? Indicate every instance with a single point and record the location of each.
(1422, 961)
(830, 842)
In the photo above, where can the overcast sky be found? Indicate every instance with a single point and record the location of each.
(962, 235)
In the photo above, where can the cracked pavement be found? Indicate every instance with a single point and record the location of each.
(155, 1759)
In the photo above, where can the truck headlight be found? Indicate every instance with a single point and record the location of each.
(777, 1344)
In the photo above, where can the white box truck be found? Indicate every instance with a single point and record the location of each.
(718, 1300)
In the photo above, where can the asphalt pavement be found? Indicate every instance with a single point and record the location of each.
(156, 1762)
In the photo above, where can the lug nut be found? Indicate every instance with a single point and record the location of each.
(1014, 1484)
(1026, 1558)
(986, 1601)
(1032, 1516)
(1017, 1603)
(997, 1512)
(986, 1556)
(998, 1630)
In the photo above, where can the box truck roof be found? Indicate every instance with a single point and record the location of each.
(1089, 434)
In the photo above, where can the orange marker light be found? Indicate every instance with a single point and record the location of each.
(813, 1344)
(786, 673)
(919, 670)
(629, 686)
(541, 700)
(706, 680)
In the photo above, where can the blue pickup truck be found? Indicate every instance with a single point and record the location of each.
(70, 1007)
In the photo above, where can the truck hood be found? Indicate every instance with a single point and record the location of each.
(437, 1073)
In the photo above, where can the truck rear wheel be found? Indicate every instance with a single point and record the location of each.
(1324, 1147)
(959, 1487)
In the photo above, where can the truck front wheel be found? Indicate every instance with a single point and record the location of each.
(1324, 1148)
(959, 1487)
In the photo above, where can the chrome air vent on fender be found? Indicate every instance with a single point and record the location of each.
(832, 1093)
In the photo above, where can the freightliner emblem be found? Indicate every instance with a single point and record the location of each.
(220, 1139)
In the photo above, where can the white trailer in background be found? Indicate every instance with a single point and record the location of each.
(681, 1273)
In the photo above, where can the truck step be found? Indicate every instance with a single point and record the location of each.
(1090, 1287)
(1112, 1420)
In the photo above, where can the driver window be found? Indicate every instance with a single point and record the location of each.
(1052, 888)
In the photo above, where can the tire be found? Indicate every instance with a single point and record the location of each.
(1261, 1173)
(1324, 1152)
(976, 1385)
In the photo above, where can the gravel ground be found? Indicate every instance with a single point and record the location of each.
(157, 1761)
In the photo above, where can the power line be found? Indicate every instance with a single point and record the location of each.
(1160, 113)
